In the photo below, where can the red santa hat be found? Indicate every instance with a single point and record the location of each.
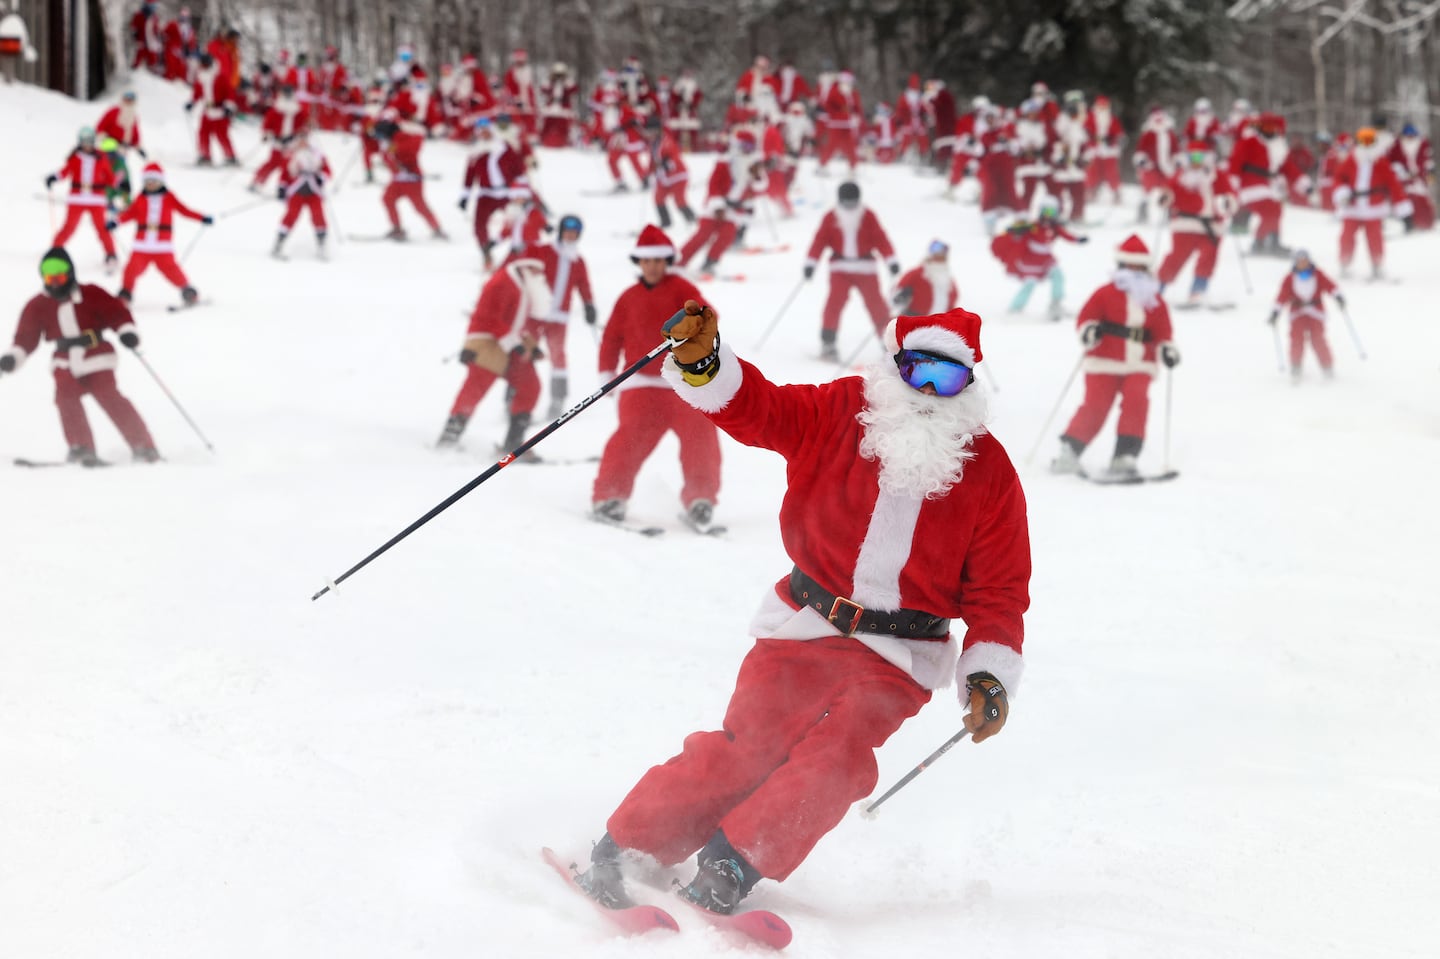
(519, 56)
(1197, 146)
(153, 171)
(745, 139)
(468, 60)
(653, 243)
(955, 334)
(1102, 102)
(1133, 252)
(914, 82)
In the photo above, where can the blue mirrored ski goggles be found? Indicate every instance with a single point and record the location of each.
(946, 375)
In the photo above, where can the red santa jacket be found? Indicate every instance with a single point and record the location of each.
(734, 182)
(669, 162)
(90, 174)
(524, 228)
(1202, 200)
(842, 110)
(566, 273)
(854, 238)
(520, 89)
(964, 555)
(213, 92)
(1203, 128)
(791, 85)
(1414, 162)
(1366, 187)
(283, 120)
(122, 124)
(504, 306)
(88, 313)
(633, 330)
(306, 173)
(1260, 170)
(1132, 331)
(932, 289)
(1028, 250)
(910, 113)
(403, 156)
(1105, 132)
(1302, 295)
(1156, 150)
(154, 215)
(498, 173)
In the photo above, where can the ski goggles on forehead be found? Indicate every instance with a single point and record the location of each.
(55, 272)
(919, 369)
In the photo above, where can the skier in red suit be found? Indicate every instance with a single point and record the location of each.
(1155, 157)
(1203, 126)
(912, 115)
(566, 273)
(1415, 163)
(286, 117)
(735, 182)
(1027, 249)
(672, 177)
(90, 175)
(153, 213)
(1106, 135)
(929, 288)
(303, 190)
(211, 92)
(853, 235)
(1366, 192)
(903, 518)
(1201, 203)
(648, 408)
(1126, 332)
(181, 45)
(843, 115)
(75, 317)
(146, 34)
(558, 100)
(1261, 166)
(494, 176)
(407, 181)
(520, 92)
(1302, 294)
(122, 122)
(498, 346)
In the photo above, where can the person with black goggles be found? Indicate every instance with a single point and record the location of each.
(903, 520)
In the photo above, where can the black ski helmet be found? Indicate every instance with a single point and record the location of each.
(849, 193)
(56, 263)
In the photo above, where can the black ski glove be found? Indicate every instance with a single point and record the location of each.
(464, 202)
(51, 180)
(7, 363)
(130, 340)
(809, 270)
(1169, 355)
(207, 221)
(467, 357)
(894, 269)
(591, 315)
(1274, 317)
(1090, 335)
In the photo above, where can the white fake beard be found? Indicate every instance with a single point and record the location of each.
(922, 442)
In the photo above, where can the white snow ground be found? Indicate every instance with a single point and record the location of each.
(1225, 744)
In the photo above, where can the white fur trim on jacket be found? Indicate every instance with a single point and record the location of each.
(932, 339)
(999, 661)
(713, 396)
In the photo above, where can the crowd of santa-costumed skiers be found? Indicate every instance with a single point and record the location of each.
(897, 440)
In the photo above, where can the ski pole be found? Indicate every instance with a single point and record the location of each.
(1244, 266)
(1354, 336)
(850, 360)
(354, 155)
(989, 375)
(329, 209)
(1279, 350)
(503, 462)
(244, 208)
(780, 313)
(1169, 404)
(765, 205)
(1058, 400)
(166, 390)
(198, 234)
(869, 811)
(50, 200)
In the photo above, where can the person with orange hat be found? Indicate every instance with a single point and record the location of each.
(153, 213)
(1126, 333)
(905, 526)
(648, 408)
(1366, 192)
(1262, 167)
(1201, 202)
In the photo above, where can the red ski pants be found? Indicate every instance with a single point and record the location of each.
(1100, 392)
(1268, 212)
(410, 190)
(674, 193)
(1424, 210)
(520, 374)
(1072, 192)
(485, 208)
(637, 162)
(68, 391)
(1308, 327)
(219, 130)
(74, 214)
(551, 337)
(796, 751)
(1182, 247)
(647, 413)
(869, 286)
(309, 202)
(839, 140)
(719, 232)
(166, 263)
(1103, 171)
(276, 164)
(1374, 239)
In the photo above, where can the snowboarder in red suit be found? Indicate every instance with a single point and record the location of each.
(498, 346)
(903, 518)
(90, 176)
(153, 213)
(1302, 295)
(648, 408)
(1126, 332)
(75, 317)
(853, 235)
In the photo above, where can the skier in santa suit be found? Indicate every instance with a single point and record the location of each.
(1261, 166)
(211, 92)
(1201, 202)
(792, 87)
(146, 33)
(843, 115)
(648, 408)
(853, 235)
(929, 287)
(1330, 164)
(735, 182)
(520, 91)
(285, 118)
(122, 122)
(1069, 156)
(1027, 249)
(1366, 192)
(75, 317)
(153, 213)
(91, 176)
(1034, 142)
(558, 98)
(1106, 135)
(779, 168)
(882, 134)
(1203, 126)
(968, 145)
(498, 346)
(494, 176)
(1125, 331)
(370, 146)
(685, 101)
(566, 274)
(903, 518)
(181, 45)
(303, 189)
(1154, 157)
(759, 75)
(472, 90)
(1301, 294)
(911, 117)
(941, 103)
(996, 173)
(1415, 163)
(672, 177)
(402, 140)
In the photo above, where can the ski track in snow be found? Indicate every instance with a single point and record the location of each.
(1220, 746)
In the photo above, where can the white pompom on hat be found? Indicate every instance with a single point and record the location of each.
(955, 334)
(1133, 252)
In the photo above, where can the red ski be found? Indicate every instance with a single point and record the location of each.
(757, 925)
(632, 921)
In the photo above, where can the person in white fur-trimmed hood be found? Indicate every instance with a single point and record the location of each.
(902, 515)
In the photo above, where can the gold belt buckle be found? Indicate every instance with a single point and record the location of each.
(854, 620)
(1137, 334)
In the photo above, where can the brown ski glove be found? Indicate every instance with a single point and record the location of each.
(698, 357)
(989, 706)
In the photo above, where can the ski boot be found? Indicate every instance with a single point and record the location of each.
(1125, 464)
(724, 878)
(1068, 461)
(515, 436)
(700, 513)
(828, 352)
(320, 252)
(189, 295)
(124, 296)
(145, 454)
(279, 242)
(111, 264)
(609, 509)
(84, 455)
(603, 881)
(662, 213)
(398, 235)
(688, 214)
(450, 435)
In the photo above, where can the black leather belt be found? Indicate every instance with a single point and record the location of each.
(1135, 334)
(87, 340)
(850, 617)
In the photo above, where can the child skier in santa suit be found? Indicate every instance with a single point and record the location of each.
(91, 177)
(1028, 252)
(1126, 332)
(929, 287)
(1301, 294)
(854, 237)
(153, 214)
(566, 274)
(302, 188)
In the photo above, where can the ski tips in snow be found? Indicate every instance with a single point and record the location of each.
(1101, 479)
(633, 920)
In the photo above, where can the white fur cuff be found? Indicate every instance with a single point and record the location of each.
(999, 661)
(713, 396)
